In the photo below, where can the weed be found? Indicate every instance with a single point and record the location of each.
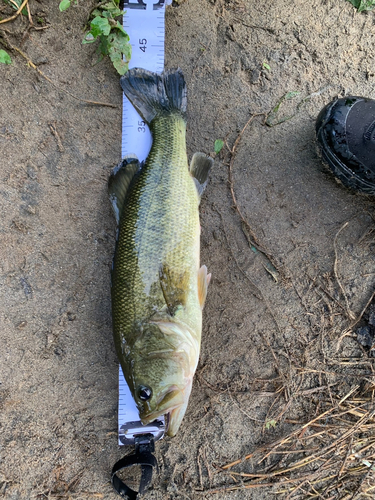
(219, 143)
(362, 5)
(266, 66)
(5, 57)
(270, 424)
(113, 39)
(273, 114)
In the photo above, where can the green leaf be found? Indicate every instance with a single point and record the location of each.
(104, 45)
(108, 6)
(64, 5)
(100, 26)
(119, 26)
(119, 41)
(96, 12)
(5, 57)
(362, 5)
(270, 423)
(121, 66)
(219, 143)
(366, 5)
(118, 47)
(112, 8)
(266, 66)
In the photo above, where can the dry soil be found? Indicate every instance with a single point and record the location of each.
(273, 353)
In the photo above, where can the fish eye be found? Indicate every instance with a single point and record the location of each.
(144, 393)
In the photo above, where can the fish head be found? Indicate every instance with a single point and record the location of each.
(162, 373)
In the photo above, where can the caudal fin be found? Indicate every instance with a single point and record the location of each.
(155, 94)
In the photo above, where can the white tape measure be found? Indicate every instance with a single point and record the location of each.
(144, 23)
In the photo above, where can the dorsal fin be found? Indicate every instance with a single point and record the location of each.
(119, 182)
(199, 168)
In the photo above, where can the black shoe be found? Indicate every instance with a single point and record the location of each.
(345, 129)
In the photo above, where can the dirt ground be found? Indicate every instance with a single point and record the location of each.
(279, 346)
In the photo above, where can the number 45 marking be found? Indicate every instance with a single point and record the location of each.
(143, 44)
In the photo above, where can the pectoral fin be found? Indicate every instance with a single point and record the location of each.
(119, 182)
(199, 168)
(175, 287)
(203, 282)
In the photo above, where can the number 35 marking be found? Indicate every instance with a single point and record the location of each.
(141, 126)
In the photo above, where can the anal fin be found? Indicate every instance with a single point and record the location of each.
(119, 182)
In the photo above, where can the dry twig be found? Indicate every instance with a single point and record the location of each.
(338, 463)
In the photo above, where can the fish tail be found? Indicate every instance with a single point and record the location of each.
(154, 94)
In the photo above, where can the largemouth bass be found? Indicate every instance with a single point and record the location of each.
(158, 287)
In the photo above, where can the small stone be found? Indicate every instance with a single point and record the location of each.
(254, 76)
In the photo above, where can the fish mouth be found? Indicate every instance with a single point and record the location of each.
(173, 407)
(168, 402)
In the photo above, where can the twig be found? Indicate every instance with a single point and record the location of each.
(53, 129)
(29, 15)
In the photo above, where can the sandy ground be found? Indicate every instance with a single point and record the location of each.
(273, 354)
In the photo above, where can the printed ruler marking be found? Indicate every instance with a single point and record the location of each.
(144, 23)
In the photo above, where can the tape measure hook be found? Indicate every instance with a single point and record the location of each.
(142, 4)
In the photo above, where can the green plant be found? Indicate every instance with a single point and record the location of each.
(266, 66)
(5, 57)
(362, 5)
(65, 4)
(113, 39)
(219, 143)
(272, 115)
(270, 424)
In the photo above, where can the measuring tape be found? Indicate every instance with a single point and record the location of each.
(144, 23)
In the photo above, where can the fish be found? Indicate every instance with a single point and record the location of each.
(158, 288)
